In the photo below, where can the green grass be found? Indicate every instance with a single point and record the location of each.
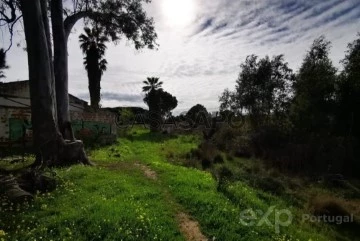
(95, 204)
(116, 201)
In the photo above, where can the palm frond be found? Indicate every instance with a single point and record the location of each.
(146, 88)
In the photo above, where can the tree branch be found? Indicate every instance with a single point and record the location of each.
(12, 7)
(70, 21)
(11, 31)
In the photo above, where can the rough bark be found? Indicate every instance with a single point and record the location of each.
(42, 91)
(61, 68)
(94, 76)
(51, 148)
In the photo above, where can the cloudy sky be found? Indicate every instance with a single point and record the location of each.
(202, 44)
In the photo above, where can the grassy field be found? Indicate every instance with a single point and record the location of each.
(139, 189)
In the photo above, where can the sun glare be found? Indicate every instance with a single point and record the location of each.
(178, 13)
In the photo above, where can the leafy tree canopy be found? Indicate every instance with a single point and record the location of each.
(315, 88)
(164, 100)
(262, 88)
(195, 111)
(117, 17)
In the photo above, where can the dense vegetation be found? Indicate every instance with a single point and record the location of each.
(120, 199)
(305, 121)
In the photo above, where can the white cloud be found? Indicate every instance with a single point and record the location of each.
(198, 61)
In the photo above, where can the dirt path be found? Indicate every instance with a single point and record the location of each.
(188, 226)
(147, 171)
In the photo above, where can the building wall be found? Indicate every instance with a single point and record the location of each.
(15, 113)
(11, 120)
(101, 121)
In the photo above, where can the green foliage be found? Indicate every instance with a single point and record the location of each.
(119, 19)
(115, 200)
(167, 102)
(262, 89)
(160, 102)
(196, 113)
(126, 117)
(228, 101)
(94, 204)
(348, 92)
(314, 101)
(305, 121)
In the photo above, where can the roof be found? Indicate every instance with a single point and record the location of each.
(13, 89)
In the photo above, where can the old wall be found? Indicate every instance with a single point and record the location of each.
(99, 122)
(12, 121)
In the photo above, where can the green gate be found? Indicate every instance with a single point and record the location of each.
(17, 128)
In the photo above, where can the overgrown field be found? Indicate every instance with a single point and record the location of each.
(139, 186)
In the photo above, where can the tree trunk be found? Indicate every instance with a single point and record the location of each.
(50, 146)
(154, 111)
(42, 89)
(61, 69)
(92, 86)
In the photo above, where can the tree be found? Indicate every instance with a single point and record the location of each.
(348, 92)
(262, 89)
(228, 101)
(168, 102)
(2, 63)
(196, 113)
(93, 46)
(49, 143)
(49, 79)
(152, 85)
(313, 107)
(160, 102)
(118, 18)
(165, 102)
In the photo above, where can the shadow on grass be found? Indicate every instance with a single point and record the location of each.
(350, 230)
(156, 137)
(15, 151)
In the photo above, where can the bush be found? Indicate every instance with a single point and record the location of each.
(218, 159)
(330, 206)
(270, 185)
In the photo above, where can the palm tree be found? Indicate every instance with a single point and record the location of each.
(93, 47)
(2, 63)
(152, 84)
(152, 88)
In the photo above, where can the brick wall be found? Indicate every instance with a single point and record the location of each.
(101, 116)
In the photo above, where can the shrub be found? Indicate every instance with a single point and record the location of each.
(270, 185)
(218, 159)
(330, 206)
(205, 163)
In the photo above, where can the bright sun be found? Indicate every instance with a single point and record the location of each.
(178, 13)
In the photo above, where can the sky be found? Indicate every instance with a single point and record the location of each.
(202, 44)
